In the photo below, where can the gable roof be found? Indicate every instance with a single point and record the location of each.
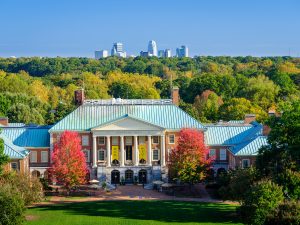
(231, 134)
(250, 147)
(88, 116)
(13, 151)
(28, 136)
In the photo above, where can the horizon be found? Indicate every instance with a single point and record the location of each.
(214, 28)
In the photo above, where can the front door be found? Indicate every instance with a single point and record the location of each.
(129, 153)
(115, 177)
(129, 176)
(142, 176)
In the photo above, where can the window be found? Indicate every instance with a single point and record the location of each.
(245, 163)
(101, 140)
(223, 154)
(128, 140)
(87, 155)
(14, 165)
(212, 153)
(155, 156)
(115, 140)
(44, 156)
(171, 139)
(101, 155)
(155, 139)
(33, 156)
(85, 140)
(128, 152)
(142, 140)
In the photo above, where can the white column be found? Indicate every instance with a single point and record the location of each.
(122, 152)
(108, 150)
(94, 151)
(149, 151)
(136, 151)
(163, 145)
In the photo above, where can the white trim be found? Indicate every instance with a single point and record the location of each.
(153, 139)
(88, 160)
(43, 161)
(83, 138)
(101, 150)
(223, 150)
(31, 155)
(103, 139)
(173, 135)
(158, 153)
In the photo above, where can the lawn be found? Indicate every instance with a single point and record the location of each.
(132, 212)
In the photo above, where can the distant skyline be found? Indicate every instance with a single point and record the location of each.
(213, 27)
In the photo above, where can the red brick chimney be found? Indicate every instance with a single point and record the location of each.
(4, 121)
(175, 95)
(249, 118)
(79, 97)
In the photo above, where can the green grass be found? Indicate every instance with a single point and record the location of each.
(133, 212)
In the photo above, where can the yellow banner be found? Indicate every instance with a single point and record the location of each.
(142, 152)
(115, 152)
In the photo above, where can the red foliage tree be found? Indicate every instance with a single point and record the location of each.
(69, 165)
(189, 160)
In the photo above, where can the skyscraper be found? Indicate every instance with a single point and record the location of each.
(183, 51)
(168, 53)
(101, 54)
(117, 50)
(161, 53)
(152, 48)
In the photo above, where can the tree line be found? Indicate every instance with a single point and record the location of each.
(40, 90)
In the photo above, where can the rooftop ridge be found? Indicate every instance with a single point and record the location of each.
(119, 101)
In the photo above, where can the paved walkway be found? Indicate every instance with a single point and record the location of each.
(131, 192)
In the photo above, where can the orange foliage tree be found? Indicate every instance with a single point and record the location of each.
(68, 161)
(189, 161)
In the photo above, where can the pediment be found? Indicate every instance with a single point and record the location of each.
(127, 123)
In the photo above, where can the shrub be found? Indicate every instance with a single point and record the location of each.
(45, 184)
(260, 201)
(30, 188)
(287, 213)
(290, 181)
(11, 205)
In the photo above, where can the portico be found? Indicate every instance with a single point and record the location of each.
(129, 142)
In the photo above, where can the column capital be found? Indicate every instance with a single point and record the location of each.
(108, 136)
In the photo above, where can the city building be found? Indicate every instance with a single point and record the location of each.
(144, 54)
(152, 48)
(161, 53)
(117, 50)
(101, 54)
(168, 53)
(183, 51)
(128, 138)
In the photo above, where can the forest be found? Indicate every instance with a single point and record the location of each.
(41, 90)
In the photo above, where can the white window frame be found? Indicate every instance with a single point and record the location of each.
(88, 158)
(212, 155)
(114, 140)
(101, 143)
(128, 140)
(101, 150)
(243, 163)
(33, 153)
(16, 166)
(223, 150)
(47, 156)
(153, 138)
(158, 154)
(85, 140)
(171, 135)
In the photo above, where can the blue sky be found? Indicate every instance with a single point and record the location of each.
(210, 27)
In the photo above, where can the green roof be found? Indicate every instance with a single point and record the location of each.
(13, 151)
(87, 116)
(250, 147)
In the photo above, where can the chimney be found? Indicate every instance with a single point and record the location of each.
(175, 96)
(266, 130)
(4, 121)
(79, 97)
(249, 118)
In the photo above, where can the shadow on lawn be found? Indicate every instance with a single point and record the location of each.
(164, 211)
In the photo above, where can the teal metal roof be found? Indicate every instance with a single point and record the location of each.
(230, 134)
(28, 136)
(236, 121)
(250, 147)
(13, 151)
(88, 116)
